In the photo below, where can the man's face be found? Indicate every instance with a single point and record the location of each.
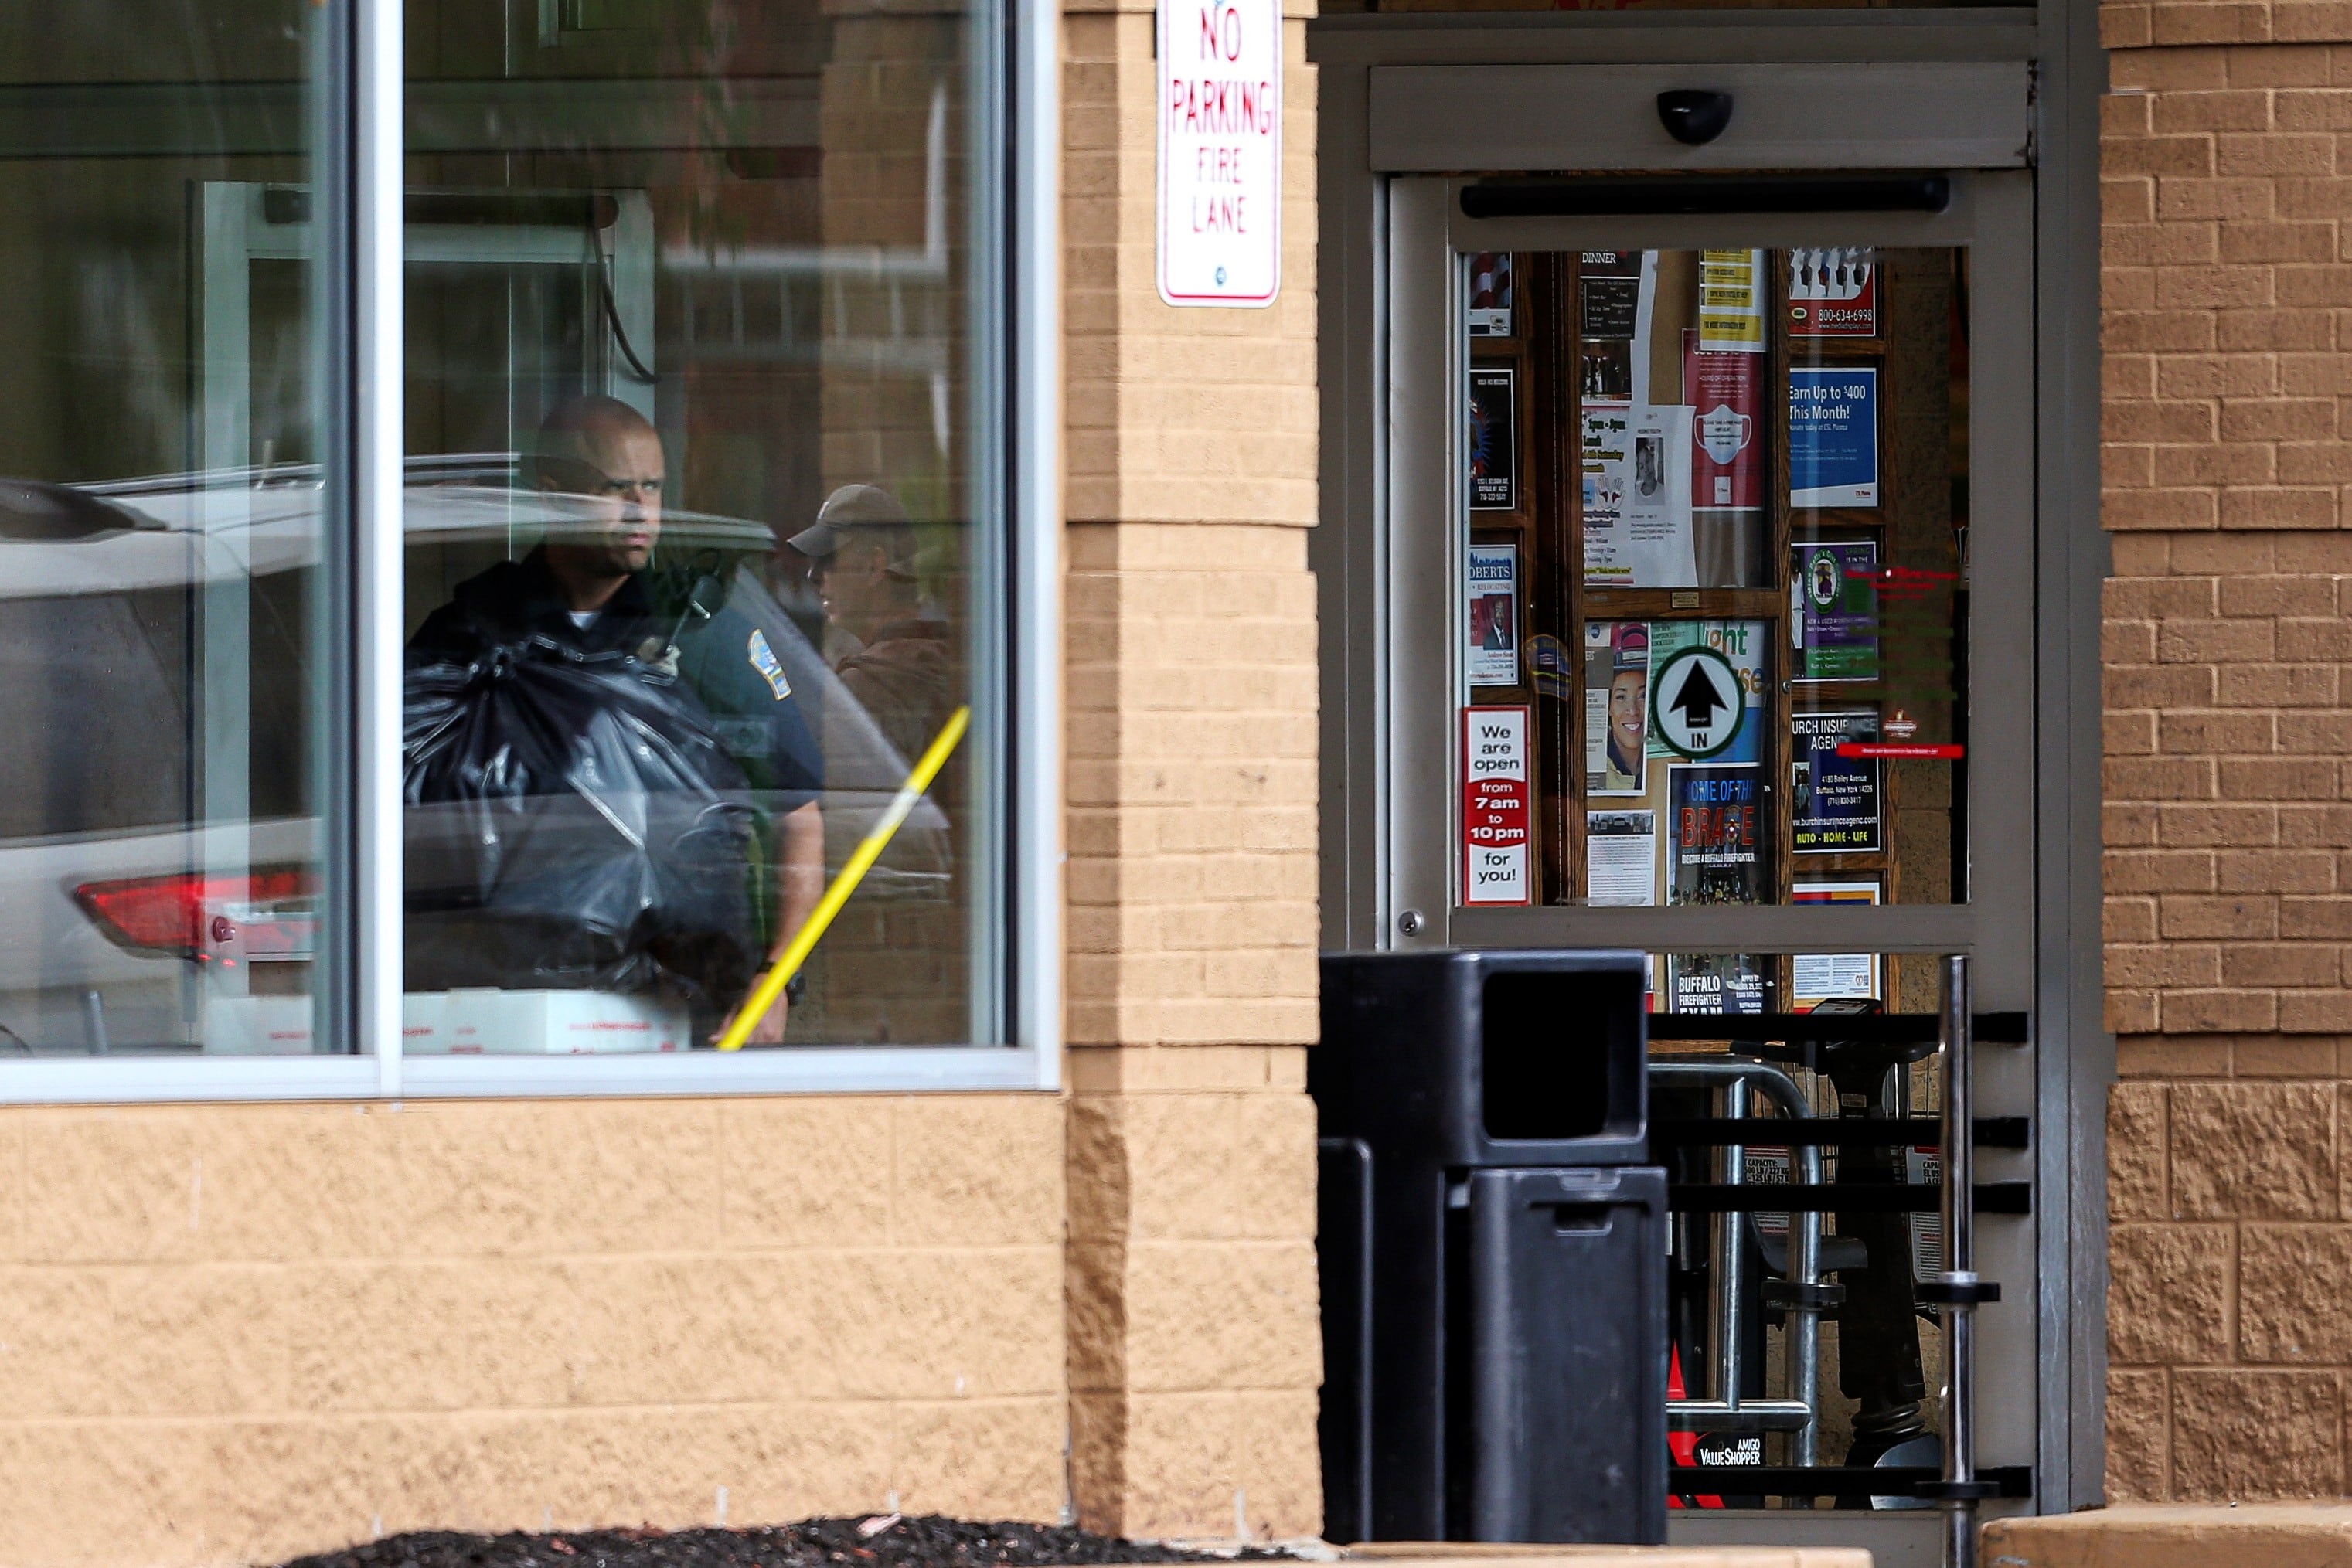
(855, 584)
(620, 470)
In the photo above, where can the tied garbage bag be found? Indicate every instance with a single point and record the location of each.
(572, 823)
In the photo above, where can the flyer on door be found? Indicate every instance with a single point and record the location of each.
(1494, 616)
(1494, 439)
(1836, 809)
(1835, 587)
(1497, 806)
(1833, 435)
(1718, 983)
(1731, 301)
(1834, 293)
(1490, 295)
(1726, 392)
(1637, 497)
(1715, 846)
(1620, 858)
(1819, 976)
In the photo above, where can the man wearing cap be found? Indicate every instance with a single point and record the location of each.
(894, 655)
(587, 591)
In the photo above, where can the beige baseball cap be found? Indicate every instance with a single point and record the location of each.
(851, 507)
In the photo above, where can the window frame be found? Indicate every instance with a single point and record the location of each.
(357, 110)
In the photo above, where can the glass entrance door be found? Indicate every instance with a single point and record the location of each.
(1709, 563)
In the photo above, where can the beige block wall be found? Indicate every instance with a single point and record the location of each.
(1194, 1350)
(2228, 803)
(230, 1334)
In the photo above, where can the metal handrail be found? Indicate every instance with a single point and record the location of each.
(1800, 1414)
(1955, 1292)
(1960, 1290)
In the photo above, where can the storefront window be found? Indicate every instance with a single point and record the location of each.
(707, 655)
(161, 528)
(703, 559)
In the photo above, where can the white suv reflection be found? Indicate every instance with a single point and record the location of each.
(158, 846)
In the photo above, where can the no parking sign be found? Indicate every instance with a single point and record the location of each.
(1220, 151)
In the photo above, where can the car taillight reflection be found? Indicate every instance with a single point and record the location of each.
(266, 915)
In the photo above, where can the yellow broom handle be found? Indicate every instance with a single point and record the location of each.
(861, 860)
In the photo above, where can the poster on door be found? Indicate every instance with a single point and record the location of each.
(1731, 983)
(1726, 392)
(1836, 808)
(1833, 435)
(1836, 586)
(1834, 293)
(1616, 707)
(1494, 616)
(1220, 151)
(1731, 301)
(1490, 293)
(1494, 439)
(1620, 859)
(1497, 808)
(1714, 844)
(1819, 976)
(1637, 497)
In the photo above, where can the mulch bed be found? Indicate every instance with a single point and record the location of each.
(883, 1541)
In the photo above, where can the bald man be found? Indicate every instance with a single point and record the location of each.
(584, 589)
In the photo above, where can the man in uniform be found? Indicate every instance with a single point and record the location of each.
(588, 590)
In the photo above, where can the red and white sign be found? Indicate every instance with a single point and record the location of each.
(1220, 151)
(1834, 293)
(1497, 811)
(1728, 434)
(1853, 750)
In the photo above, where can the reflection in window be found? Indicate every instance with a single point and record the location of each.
(160, 528)
(700, 544)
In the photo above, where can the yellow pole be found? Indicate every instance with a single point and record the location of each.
(861, 860)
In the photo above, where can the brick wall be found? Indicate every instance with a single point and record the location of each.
(2229, 804)
(1194, 1353)
(231, 1333)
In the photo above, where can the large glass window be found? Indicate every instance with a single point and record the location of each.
(702, 600)
(703, 547)
(160, 613)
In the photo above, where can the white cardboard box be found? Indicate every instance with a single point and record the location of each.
(545, 1023)
(466, 1023)
(257, 1026)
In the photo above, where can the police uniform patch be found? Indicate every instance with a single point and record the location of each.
(763, 659)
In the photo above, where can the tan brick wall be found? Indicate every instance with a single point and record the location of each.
(1195, 1350)
(2228, 805)
(230, 1334)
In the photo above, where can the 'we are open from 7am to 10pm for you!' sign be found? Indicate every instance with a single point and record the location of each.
(1220, 151)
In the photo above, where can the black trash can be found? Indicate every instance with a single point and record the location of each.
(1494, 1275)
(1568, 1351)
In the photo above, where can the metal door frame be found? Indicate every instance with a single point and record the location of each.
(2054, 921)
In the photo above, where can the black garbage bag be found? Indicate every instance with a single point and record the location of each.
(572, 822)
